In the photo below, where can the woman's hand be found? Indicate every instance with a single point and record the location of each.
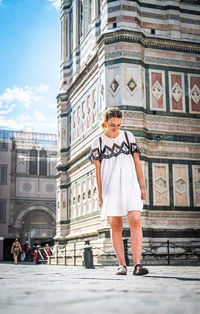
(143, 193)
(100, 202)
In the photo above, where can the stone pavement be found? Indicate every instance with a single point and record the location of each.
(64, 289)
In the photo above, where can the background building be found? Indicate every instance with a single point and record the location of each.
(27, 188)
(144, 58)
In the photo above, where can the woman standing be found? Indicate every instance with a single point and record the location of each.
(120, 185)
(16, 247)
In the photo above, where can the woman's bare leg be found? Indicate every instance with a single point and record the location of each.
(117, 241)
(136, 235)
(15, 260)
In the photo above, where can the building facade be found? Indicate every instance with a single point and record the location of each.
(27, 188)
(143, 58)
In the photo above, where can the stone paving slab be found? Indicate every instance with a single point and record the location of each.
(38, 289)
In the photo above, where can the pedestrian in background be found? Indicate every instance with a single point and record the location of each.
(29, 257)
(16, 248)
(120, 185)
(47, 249)
(35, 255)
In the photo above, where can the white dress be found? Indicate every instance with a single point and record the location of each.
(120, 187)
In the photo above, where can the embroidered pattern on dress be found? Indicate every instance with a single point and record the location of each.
(114, 151)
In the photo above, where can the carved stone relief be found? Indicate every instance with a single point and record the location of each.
(63, 213)
(160, 184)
(196, 184)
(181, 185)
(64, 132)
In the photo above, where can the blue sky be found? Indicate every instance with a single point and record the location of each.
(29, 64)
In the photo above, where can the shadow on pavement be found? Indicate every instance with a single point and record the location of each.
(178, 278)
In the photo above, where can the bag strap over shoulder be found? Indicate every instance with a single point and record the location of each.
(100, 142)
(126, 135)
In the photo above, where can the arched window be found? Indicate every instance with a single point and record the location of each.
(43, 162)
(33, 161)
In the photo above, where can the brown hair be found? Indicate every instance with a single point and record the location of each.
(112, 112)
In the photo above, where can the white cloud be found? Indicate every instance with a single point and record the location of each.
(24, 96)
(55, 3)
(8, 109)
(39, 116)
(42, 88)
(30, 106)
(10, 123)
(21, 122)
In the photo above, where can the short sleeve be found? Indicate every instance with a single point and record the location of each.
(95, 150)
(132, 143)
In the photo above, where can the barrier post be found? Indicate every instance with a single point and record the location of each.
(168, 253)
(57, 256)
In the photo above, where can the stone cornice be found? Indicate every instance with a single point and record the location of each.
(149, 41)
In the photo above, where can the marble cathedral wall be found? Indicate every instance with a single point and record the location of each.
(143, 58)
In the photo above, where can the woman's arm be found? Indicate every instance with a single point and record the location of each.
(98, 179)
(12, 249)
(138, 168)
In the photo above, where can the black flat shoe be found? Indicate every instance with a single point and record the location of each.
(139, 270)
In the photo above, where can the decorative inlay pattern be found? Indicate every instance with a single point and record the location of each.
(131, 86)
(123, 53)
(49, 188)
(160, 119)
(152, 15)
(195, 94)
(152, 60)
(114, 86)
(157, 90)
(177, 92)
(27, 187)
(173, 62)
(171, 215)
